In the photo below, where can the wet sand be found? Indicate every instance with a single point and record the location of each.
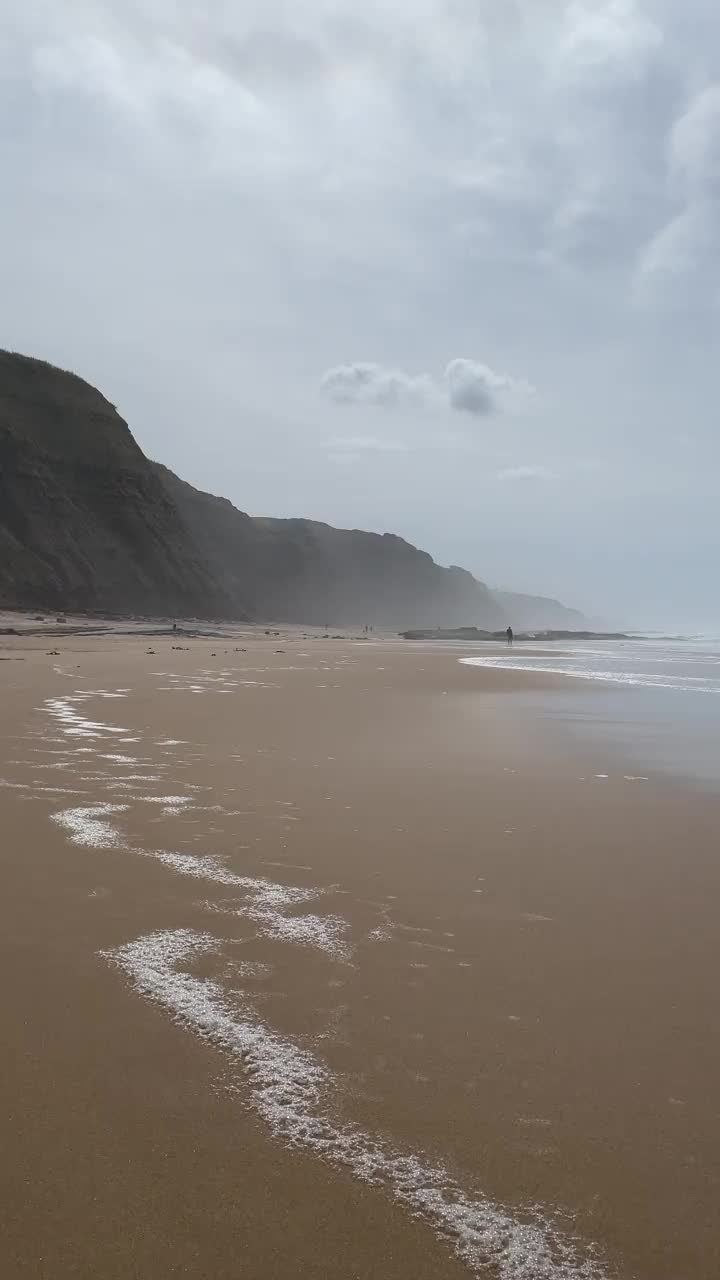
(274, 923)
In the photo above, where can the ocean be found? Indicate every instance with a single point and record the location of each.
(661, 708)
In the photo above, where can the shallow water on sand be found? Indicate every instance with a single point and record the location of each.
(288, 1078)
(437, 962)
(660, 706)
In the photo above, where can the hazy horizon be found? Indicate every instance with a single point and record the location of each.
(447, 270)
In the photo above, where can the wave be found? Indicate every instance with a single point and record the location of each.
(640, 679)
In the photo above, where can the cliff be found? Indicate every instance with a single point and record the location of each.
(305, 571)
(538, 613)
(85, 522)
(88, 523)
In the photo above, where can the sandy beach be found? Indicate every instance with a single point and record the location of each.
(321, 959)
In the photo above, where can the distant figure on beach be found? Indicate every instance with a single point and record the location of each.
(509, 634)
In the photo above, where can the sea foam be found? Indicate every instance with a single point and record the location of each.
(297, 1097)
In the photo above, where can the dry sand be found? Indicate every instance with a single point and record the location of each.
(509, 973)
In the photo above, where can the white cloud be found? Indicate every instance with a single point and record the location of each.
(467, 386)
(695, 144)
(473, 387)
(374, 384)
(681, 250)
(608, 35)
(526, 473)
(680, 261)
(365, 444)
(167, 94)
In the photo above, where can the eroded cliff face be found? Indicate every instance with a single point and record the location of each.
(87, 522)
(305, 571)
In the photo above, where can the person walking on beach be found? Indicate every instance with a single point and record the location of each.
(509, 634)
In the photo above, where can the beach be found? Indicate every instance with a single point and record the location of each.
(328, 958)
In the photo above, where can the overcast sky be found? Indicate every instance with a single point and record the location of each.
(449, 268)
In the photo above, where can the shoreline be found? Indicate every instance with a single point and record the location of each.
(529, 925)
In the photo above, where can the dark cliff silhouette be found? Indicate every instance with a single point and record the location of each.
(88, 523)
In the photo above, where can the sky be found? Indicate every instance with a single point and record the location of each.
(447, 268)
